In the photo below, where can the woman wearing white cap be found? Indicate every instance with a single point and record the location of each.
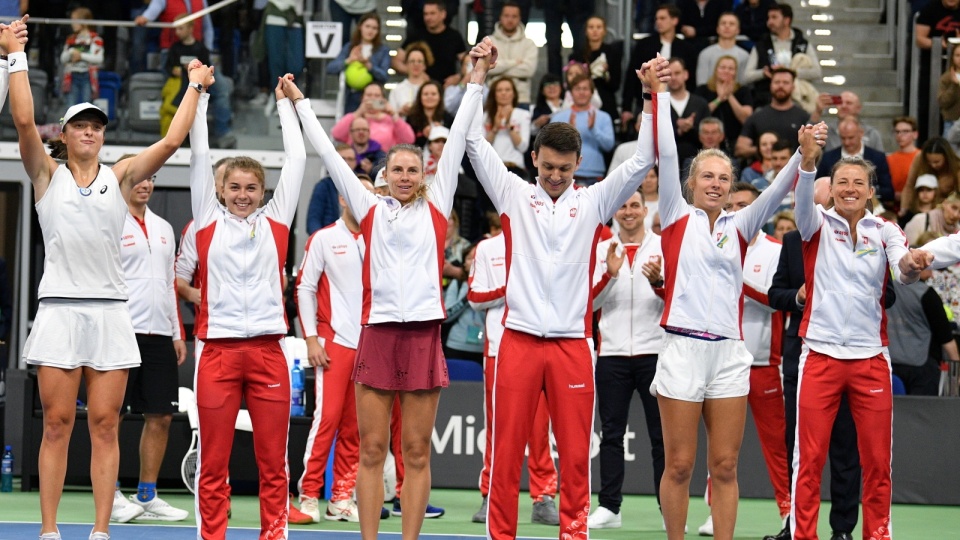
(82, 326)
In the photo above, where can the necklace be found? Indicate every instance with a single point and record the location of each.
(86, 191)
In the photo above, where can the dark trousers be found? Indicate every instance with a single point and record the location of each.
(576, 13)
(920, 380)
(617, 377)
(844, 456)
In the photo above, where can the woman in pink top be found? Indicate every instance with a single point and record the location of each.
(386, 126)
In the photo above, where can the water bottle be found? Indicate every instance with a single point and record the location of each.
(6, 470)
(296, 390)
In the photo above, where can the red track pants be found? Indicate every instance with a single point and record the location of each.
(562, 369)
(766, 404)
(255, 370)
(867, 385)
(335, 415)
(543, 474)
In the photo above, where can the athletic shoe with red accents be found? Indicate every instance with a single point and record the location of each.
(299, 518)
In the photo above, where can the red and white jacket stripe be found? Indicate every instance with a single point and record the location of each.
(403, 264)
(630, 310)
(703, 268)
(844, 315)
(240, 260)
(329, 294)
(762, 325)
(148, 260)
(551, 245)
(488, 288)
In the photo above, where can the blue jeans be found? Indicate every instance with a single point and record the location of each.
(79, 88)
(285, 52)
(142, 41)
(220, 94)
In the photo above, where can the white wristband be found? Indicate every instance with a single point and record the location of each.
(17, 62)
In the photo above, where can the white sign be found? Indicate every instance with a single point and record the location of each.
(324, 39)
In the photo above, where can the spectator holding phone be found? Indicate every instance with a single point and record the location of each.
(847, 104)
(384, 123)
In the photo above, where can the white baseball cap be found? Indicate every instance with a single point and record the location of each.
(81, 108)
(439, 132)
(928, 181)
(380, 181)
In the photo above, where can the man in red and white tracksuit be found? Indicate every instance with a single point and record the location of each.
(849, 254)
(762, 334)
(488, 287)
(329, 298)
(551, 232)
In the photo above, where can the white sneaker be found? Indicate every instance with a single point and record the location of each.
(157, 509)
(345, 510)
(259, 100)
(603, 518)
(269, 108)
(707, 528)
(50, 536)
(99, 536)
(124, 510)
(311, 507)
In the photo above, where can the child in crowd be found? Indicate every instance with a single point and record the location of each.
(81, 58)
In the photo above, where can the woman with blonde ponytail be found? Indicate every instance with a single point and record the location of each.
(400, 350)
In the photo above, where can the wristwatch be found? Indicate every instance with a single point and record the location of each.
(196, 86)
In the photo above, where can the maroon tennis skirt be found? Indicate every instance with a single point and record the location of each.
(401, 356)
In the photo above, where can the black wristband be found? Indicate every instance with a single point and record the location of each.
(647, 96)
(657, 284)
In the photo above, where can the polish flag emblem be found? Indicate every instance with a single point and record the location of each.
(573, 212)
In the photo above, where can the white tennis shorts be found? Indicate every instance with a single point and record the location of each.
(691, 369)
(68, 334)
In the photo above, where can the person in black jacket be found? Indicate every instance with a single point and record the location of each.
(788, 294)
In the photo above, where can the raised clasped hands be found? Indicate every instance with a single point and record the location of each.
(286, 88)
(197, 72)
(655, 74)
(13, 36)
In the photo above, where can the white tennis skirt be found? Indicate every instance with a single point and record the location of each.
(69, 333)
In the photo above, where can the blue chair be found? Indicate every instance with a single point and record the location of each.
(464, 370)
(899, 389)
(110, 84)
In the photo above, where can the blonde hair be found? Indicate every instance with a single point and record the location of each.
(697, 162)
(421, 192)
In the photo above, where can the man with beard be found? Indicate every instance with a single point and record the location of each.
(782, 116)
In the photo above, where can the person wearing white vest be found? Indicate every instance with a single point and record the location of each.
(630, 303)
(82, 328)
(147, 254)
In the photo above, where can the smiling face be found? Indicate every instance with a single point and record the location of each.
(404, 174)
(140, 195)
(726, 70)
(766, 144)
(555, 169)
(630, 216)
(552, 91)
(429, 96)
(242, 192)
(711, 182)
(851, 190)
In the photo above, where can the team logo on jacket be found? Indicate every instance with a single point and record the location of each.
(573, 212)
(722, 239)
(756, 268)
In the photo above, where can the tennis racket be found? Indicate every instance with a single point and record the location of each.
(188, 467)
